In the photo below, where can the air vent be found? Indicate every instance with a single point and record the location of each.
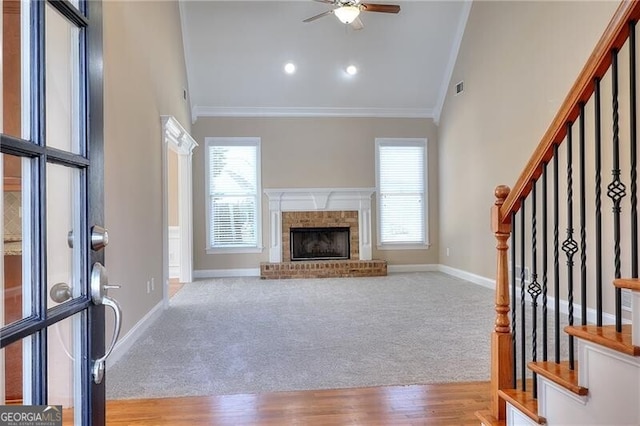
(626, 300)
(459, 87)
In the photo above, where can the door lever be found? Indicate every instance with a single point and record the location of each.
(99, 287)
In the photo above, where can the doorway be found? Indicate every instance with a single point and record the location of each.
(177, 217)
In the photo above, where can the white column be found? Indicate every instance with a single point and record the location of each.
(364, 223)
(275, 228)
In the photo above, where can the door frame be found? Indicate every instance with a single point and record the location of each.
(177, 139)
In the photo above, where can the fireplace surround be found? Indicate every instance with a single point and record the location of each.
(314, 207)
(307, 208)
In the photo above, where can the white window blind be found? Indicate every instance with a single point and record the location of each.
(401, 171)
(234, 193)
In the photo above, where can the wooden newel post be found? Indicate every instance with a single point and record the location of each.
(501, 343)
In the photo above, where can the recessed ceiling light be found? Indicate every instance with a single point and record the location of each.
(352, 70)
(289, 68)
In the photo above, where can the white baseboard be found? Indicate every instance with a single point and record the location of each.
(224, 273)
(468, 276)
(564, 305)
(412, 268)
(125, 343)
(607, 318)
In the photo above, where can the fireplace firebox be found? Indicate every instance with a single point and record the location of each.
(328, 243)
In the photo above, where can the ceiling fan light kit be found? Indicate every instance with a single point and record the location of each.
(347, 14)
(347, 11)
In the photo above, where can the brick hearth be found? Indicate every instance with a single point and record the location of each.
(323, 269)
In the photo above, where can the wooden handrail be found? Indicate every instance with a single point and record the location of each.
(614, 37)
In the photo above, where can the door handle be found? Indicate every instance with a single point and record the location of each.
(99, 287)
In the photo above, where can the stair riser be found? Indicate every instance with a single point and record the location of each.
(613, 380)
(516, 418)
(635, 307)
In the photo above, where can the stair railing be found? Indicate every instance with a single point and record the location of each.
(533, 234)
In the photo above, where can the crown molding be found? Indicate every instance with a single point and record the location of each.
(204, 111)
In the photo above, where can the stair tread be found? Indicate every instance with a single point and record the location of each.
(488, 419)
(606, 336)
(523, 401)
(628, 283)
(560, 374)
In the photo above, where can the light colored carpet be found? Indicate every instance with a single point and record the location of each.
(246, 335)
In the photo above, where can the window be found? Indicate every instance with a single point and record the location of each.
(401, 181)
(233, 189)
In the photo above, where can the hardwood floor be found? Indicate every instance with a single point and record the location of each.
(174, 286)
(441, 404)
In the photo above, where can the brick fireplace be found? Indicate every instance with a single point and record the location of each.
(320, 208)
(320, 219)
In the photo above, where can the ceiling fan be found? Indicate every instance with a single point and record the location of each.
(347, 11)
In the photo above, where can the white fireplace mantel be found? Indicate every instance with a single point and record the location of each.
(319, 199)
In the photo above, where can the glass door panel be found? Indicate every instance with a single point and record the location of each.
(15, 254)
(62, 82)
(64, 234)
(11, 381)
(65, 374)
(13, 65)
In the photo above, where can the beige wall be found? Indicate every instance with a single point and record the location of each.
(315, 153)
(144, 75)
(518, 61)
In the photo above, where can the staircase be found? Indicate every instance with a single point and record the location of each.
(565, 349)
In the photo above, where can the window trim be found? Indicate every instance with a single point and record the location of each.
(234, 141)
(422, 142)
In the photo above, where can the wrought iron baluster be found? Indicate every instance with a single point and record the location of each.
(569, 245)
(523, 328)
(545, 277)
(598, 166)
(583, 214)
(534, 288)
(556, 254)
(513, 300)
(633, 149)
(616, 190)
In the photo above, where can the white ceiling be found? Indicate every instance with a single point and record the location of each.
(236, 51)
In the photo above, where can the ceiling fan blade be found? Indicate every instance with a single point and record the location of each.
(357, 24)
(385, 8)
(313, 18)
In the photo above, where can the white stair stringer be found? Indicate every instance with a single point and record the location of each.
(613, 380)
